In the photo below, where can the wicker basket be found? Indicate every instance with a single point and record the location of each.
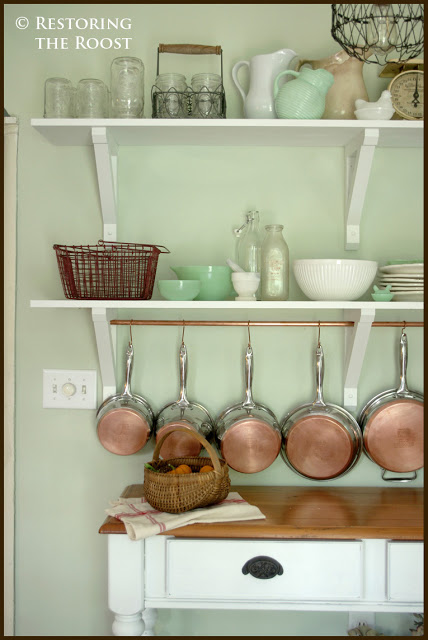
(179, 493)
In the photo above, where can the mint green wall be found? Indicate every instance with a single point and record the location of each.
(188, 199)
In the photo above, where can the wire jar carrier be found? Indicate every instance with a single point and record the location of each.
(108, 270)
(203, 102)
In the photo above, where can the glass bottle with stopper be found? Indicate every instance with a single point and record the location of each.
(248, 250)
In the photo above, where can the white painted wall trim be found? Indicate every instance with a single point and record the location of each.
(10, 203)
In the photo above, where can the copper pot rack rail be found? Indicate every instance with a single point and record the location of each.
(259, 323)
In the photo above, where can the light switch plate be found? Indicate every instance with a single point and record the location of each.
(69, 389)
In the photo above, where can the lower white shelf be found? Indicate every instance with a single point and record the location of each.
(356, 337)
(222, 304)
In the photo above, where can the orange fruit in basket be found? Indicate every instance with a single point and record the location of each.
(183, 468)
(206, 469)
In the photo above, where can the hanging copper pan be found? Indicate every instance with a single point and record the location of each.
(393, 426)
(124, 421)
(321, 441)
(182, 413)
(248, 433)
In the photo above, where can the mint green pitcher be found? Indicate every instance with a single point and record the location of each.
(305, 97)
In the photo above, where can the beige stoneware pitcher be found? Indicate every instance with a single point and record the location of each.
(348, 84)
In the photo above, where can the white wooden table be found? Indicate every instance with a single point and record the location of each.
(358, 550)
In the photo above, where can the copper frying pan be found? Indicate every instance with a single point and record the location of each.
(393, 426)
(182, 413)
(124, 420)
(248, 433)
(321, 441)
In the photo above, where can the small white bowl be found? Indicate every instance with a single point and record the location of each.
(333, 279)
(245, 284)
(374, 113)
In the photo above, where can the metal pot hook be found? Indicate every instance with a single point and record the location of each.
(130, 332)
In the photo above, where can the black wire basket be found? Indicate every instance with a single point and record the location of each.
(204, 103)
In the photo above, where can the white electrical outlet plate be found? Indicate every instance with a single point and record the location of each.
(69, 389)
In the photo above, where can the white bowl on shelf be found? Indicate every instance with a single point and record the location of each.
(374, 113)
(334, 279)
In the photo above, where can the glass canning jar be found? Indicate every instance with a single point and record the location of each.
(127, 88)
(206, 101)
(170, 95)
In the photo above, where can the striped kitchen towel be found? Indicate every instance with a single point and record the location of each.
(142, 521)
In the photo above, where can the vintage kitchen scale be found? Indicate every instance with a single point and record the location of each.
(406, 87)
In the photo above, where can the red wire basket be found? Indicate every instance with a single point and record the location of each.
(108, 270)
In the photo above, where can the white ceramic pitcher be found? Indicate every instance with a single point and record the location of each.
(259, 101)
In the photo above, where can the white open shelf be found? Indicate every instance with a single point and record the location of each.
(162, 305)
(230, 132)
(359, 139)
(356, 337)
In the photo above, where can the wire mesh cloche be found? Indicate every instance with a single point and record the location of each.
(374, 33)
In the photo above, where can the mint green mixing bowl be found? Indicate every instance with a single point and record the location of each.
(216, 281)
(179, 289)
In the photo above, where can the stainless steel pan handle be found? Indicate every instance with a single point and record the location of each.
(128, 370)
(319, 373)
(248, 402)
(398, 479)
(183, 401)
(403, 388)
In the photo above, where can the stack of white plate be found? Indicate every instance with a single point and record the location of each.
(406, 280)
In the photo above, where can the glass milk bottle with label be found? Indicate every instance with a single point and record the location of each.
(274, 264)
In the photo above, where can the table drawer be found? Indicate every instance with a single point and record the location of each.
(405, 573)
(311, 570)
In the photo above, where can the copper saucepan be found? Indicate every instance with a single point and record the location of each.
(125, 420)
(393, 426)
(321, 441)
(248, 433)
(182, 413)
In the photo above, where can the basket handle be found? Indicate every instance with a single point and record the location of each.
(190, 49)
(210, 450)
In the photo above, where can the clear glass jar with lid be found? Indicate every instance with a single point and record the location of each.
(274, 264)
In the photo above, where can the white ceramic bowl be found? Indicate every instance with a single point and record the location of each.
(374, 113)
(245, 284)
(333, 279)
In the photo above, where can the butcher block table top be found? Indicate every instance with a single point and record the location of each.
(344, 513)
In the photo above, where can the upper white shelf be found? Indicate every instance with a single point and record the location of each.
(232, 132)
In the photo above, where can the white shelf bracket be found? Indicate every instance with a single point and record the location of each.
(105, 336)
(105, 150)
(356, 339)
(359, 157)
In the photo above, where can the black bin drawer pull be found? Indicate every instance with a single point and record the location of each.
(263, 567)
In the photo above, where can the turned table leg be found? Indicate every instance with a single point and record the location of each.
(149, 617)
(129, 625)
(126, 585)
